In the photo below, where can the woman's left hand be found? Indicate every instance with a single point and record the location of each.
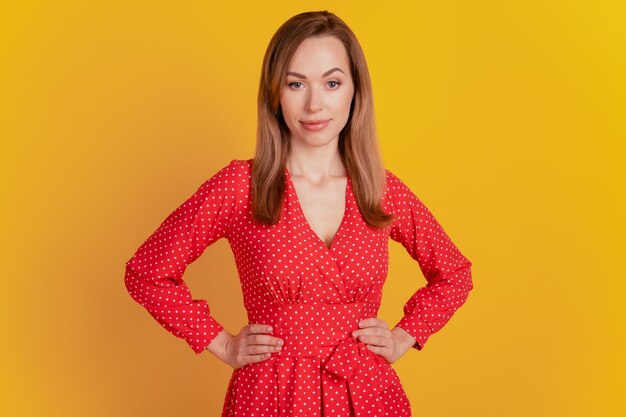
(390, 344)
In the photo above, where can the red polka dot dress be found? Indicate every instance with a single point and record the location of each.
(312, 295)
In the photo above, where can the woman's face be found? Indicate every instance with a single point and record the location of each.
(318, 87)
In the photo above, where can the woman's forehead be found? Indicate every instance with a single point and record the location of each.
(319, 57)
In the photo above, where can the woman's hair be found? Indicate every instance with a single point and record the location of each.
(358, 141)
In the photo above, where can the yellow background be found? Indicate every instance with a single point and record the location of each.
(505, 118)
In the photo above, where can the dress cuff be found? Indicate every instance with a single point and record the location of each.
(416, 328)
(202, 333)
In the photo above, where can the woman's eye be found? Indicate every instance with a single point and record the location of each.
(334, 86)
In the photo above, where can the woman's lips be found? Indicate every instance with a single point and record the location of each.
(315, 126)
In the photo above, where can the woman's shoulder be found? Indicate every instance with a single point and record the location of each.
(236, 170)
(391, 177)
(231, 178)
(239, 164)
(394, 184)
(397, 191)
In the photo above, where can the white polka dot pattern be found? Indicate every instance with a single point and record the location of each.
(311, 294)
(445, 268)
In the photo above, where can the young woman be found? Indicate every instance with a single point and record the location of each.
(308, 220)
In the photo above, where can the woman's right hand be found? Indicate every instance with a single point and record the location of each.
(251, 344)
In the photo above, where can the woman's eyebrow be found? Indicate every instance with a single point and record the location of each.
(330, 71)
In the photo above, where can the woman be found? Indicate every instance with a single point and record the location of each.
(308, 220)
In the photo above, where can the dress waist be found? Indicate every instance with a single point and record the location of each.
(321, 335)
(312, 329)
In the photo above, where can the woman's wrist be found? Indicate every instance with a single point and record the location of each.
(404, 338)
(218, 344)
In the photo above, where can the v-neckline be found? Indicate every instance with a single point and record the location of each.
(330, 247)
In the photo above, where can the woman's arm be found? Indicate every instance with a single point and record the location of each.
(446, 269)
(154, 273)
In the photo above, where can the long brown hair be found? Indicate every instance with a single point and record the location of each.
(358, 141)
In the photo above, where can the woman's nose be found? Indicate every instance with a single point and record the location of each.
(313, 102)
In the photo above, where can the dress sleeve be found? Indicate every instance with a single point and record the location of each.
(447, 271)
(154, 273)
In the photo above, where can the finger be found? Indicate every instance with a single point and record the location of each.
(258, 328)
(262, 339)
(256, 358)
(372, 331)
(257, 349)
(375, 340)
(379, 351)
(373, 322)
